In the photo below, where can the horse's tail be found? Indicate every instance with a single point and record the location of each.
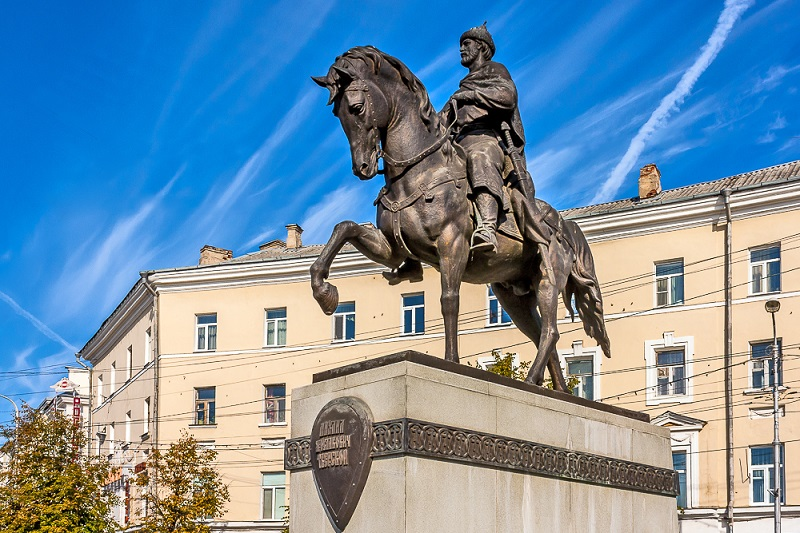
(583, 285)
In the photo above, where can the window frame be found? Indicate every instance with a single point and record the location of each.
(763, 288)
(209, 409)
(148, 346)
(343, 315)
(205, 326)
(669, 279)
(492, 320)
(276, 321)
(264, 488)
(767, 367)
(280, 410)
(129, 363)
(413, 309)
(769, 499)
(673, 382)
(579, 352)
(146, 416)
(666, 343)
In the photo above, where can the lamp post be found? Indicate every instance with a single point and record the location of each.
(772, 307)
(16, 409)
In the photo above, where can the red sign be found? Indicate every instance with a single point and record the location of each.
(76, 410)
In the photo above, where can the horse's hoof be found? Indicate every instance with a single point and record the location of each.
(327, 297)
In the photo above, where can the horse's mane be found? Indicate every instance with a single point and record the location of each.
(374, 58)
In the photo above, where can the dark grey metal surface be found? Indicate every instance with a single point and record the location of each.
(447, 443)
(424, 212)
(339, 451)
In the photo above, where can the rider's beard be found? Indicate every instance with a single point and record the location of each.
(468, 57)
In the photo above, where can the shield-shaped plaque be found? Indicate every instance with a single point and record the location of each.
(341, 442)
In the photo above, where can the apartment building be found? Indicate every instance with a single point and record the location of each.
(216, 349)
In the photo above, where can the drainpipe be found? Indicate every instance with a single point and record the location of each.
(726, 196)
(156, 355)
(91, 396)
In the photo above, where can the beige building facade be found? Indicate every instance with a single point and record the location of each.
(216, 349)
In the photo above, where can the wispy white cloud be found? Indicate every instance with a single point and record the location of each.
(773, 78)
(219, 202)
(671, 103)
(549, 165)
(38, 324)
(769, 136)
(333, 208)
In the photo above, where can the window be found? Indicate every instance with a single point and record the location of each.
(128, 363)
(762, 475)
(582, 369)
(344, 322)
(273, 495)
(275, 328)
(111, 439)
(205, 406)
(679, 465)
(207, 332)
(113, 384)
(669, 283)
(100, 397)
(128, 428)
(668, 369)
(765, 270)
(582, 366)
(761, 364)
(146, 417)
(413, 314)
(671, 372)
(497, 315)
(275, 404)
(148, 345)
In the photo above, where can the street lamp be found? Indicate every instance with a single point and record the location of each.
(16, 409)
(772, 307)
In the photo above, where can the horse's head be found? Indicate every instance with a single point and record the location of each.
(363, 111)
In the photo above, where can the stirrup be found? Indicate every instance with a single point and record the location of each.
(486, 240)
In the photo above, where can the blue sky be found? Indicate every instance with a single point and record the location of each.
(136, 132)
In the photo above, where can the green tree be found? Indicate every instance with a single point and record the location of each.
(181, 489)
(504, 366)
(48, 486)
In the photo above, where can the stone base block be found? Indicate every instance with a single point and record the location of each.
(457, 449)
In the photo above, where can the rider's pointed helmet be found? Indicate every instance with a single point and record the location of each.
(480, 33)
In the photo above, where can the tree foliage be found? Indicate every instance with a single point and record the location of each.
(181, 489)
(48, 486)
(504, 366)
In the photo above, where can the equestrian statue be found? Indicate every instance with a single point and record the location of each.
(458, 197)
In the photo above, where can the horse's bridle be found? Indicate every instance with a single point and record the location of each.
(361, 86)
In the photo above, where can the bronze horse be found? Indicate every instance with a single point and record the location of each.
(424, 213)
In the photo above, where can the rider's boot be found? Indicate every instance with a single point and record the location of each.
(484, 237)
(410, 270)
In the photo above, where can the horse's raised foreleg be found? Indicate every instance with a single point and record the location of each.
(453, 250)
(367, 239)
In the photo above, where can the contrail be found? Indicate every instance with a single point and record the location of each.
(38, 324)
(730, 14)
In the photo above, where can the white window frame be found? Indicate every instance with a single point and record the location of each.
(767, 480)
(113, 382)
(276, 323)
(342, 317)
(148, 345)
(266, 403)
(580, 352)
(669, 278)
(100, 397)
(129, 363)
(128, 428)
(412, 308)
(500, 322)
(651, 349)
(764, 268)
(206, 336)
(275, 511)
(767, 363)
(685, 438)
(112, 435)
(146, 416)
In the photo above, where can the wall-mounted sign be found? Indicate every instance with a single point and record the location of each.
(341, 442)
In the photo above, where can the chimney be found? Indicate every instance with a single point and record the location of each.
(649, 181)
(293, 233)
(211, 255)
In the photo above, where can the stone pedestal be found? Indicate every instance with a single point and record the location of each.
(457, 449)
